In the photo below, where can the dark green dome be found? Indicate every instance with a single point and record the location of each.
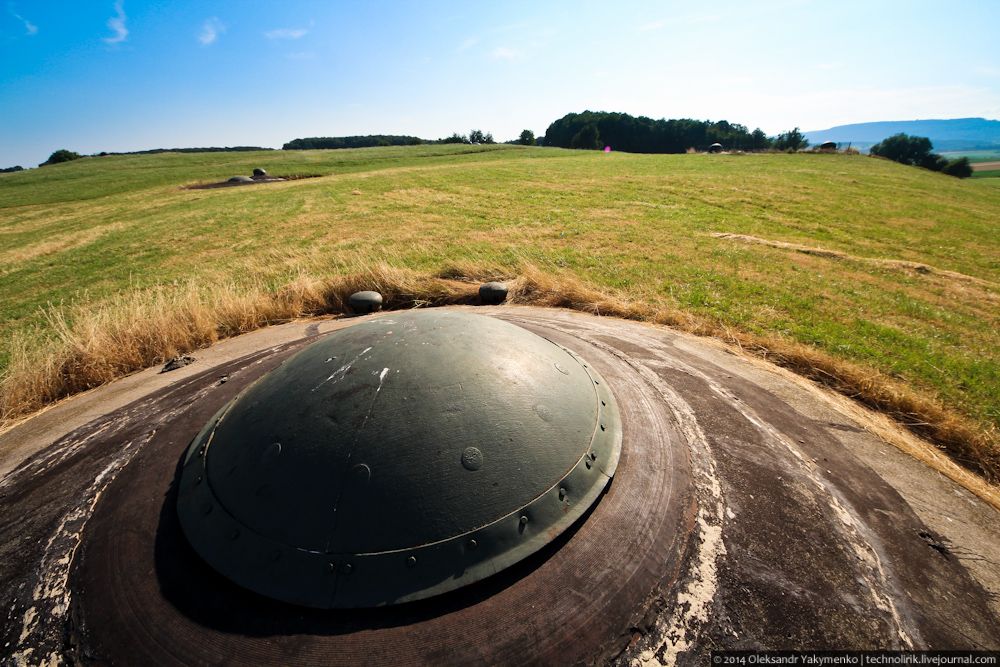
(399, 458)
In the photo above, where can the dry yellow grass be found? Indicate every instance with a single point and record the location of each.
(142, 328)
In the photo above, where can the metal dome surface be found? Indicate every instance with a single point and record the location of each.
(397, 459)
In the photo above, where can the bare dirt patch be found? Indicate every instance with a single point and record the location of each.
(251, 181)
(985, 166)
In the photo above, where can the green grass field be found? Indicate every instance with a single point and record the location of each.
(637, 227)
(974, 156)
(987, 173)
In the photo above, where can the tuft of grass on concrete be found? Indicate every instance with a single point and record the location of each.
(878, 280)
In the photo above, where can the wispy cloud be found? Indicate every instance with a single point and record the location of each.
(29, 27)
(652, 25)
(506, 53)
(467, 44)
(286, 33)
(704, 18)
(117, 25)
(210, 31)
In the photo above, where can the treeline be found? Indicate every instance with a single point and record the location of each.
(208, 149)
(473, 137)
(370, 140)
(597, 129)
(366, 141)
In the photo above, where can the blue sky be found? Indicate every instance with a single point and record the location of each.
(105, 75)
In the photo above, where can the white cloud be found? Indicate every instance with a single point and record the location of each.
(467, 44)
(210, 31)
(30, 28)
(117, 25)
(506, 53)
(286, 33)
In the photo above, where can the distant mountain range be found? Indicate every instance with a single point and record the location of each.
(955, 134)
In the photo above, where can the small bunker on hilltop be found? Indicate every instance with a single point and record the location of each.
(828, 146)
(715, 148)
(259, 173)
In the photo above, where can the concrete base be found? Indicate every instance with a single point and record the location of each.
(788, 525)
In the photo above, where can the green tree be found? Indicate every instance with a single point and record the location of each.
(759, 140)
(587, 138)
(960, 168)
(479, 137)
(61, 155)
(905, 149)
(934, 162)
(916, 151)
(527, 138)
(790, 141)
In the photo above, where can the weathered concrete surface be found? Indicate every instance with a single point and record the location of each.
(782, 524)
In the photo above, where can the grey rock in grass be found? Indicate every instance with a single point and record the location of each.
(492, 293)
(365, 302)
(240, 179)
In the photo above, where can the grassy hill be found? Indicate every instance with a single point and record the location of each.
(878, 279)
(953, 134)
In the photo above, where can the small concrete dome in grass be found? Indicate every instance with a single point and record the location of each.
(828, 146)
(240, 179)
(492, 293)
(365, 302)
(259, 173)
(715, 148)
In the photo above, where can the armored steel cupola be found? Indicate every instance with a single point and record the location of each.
(397, 459)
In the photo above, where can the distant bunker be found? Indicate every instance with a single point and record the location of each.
(828, 146)
(715, 148)
(469, 485)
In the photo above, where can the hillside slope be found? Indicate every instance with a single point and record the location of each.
(955, 134)
(889, 270)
